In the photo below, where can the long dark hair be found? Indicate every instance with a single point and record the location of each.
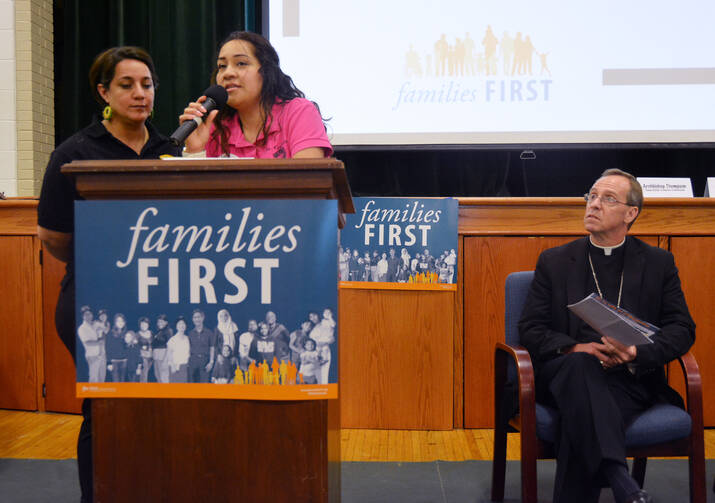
(277, 86)
(119, 332)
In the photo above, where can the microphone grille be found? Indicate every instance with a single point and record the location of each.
(218, 94)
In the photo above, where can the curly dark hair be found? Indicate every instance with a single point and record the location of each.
(277, 86)
(102, 69)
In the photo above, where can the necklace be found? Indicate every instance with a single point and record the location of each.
(595, 279)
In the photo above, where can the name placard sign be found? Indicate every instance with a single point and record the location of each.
(207, 299)
(710, 187)
(666, 187)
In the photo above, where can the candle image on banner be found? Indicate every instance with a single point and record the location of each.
(207, 299)
(401, 243)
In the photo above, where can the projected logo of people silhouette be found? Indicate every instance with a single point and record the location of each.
(458, 57)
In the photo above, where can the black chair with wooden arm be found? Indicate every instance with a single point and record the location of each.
(662, 431)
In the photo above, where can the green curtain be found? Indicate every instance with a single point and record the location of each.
(182, 37)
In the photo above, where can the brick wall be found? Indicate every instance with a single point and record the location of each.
(34, 73)
(8, 135)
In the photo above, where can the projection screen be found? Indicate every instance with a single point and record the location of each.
(396, 72)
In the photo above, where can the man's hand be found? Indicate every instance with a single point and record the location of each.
(600, 351)
(610, 353)
(620, 353)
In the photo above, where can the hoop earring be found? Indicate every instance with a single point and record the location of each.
(107, 112)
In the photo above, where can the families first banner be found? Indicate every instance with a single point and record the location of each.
(400, 243)
(207, 299)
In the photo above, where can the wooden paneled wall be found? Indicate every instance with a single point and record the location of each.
(36, 371)
(488, 261)
(505, 235)
(396, 359)
(695, 258)
(21, 358)
(420, 360)
(20, 371)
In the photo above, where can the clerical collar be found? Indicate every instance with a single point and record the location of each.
(607, 250)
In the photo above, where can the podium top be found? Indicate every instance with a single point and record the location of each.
(201, 178)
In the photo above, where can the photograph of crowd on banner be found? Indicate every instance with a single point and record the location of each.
(184, 294)
(399, 241)
(189, 351)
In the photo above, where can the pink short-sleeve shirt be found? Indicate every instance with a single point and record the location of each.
(295, 126)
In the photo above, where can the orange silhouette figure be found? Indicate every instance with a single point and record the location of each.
(469, 55)
(523, 52)
(252, 373)
(282, 373)
(292, 373)
(283, 370)
(490, 43)
(517, 65)
(544, 64)
(413, 67)
(441, 52)
(265, 372)
(506, 47)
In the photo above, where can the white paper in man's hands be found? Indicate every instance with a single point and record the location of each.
(611, 321)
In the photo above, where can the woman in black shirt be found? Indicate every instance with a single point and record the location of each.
(123, 81)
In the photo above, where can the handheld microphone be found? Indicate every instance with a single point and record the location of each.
(216, 98)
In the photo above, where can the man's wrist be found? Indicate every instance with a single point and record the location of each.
(564, 350)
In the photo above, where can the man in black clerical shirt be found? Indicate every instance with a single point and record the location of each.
(598, 385)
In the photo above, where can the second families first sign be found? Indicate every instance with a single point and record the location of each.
(400, 243)
(206, 299)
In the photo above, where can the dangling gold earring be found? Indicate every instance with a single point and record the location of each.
(107, 112)
(151, 114)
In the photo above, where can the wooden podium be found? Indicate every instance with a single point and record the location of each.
(186, 450)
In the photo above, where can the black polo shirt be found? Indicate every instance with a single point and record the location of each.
(56, 208)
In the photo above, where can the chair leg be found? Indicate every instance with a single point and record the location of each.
(696, 460)
(528, 480)
(697, 479)
(528, 468)
(638, 472)
(499, 462)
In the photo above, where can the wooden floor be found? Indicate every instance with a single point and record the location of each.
(39, 435)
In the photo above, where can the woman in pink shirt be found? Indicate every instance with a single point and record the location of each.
(266, 115)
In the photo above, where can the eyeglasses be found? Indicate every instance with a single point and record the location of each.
(607, 200)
